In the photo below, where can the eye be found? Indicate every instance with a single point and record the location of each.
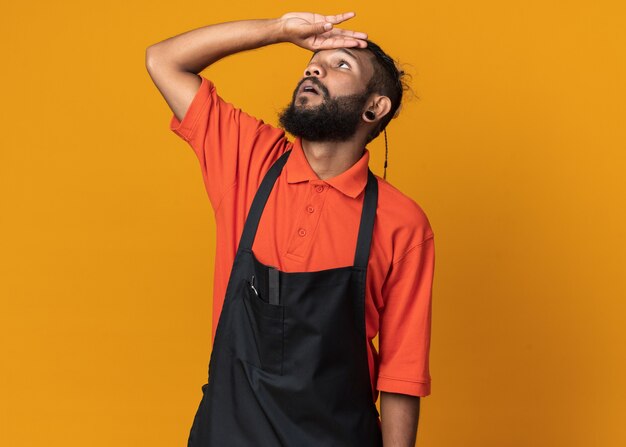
(343, 63)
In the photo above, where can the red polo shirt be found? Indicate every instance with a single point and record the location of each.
(310, 224)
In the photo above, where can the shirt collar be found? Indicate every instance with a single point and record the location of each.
(350, 182)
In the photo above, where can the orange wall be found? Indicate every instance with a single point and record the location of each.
(514, 148)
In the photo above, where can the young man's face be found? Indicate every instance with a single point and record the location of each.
(331, 97)
(334, 73)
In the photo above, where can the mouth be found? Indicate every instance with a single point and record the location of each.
(308, 88)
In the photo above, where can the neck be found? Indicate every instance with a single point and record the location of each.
(329, 159)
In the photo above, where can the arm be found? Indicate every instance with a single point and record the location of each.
(174, 63)
(404, 337)
(399, 416)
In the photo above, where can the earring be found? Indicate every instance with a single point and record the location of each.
(370, 115)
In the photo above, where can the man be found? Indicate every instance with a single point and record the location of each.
(341, 255)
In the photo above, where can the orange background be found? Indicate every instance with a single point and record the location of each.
(515, 149)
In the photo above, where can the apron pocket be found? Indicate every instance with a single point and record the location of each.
(267, 322)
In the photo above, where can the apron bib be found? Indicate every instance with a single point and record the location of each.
(289, 361)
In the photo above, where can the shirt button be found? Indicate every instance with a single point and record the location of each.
(310, 209)
(319, 188)
(302, 232)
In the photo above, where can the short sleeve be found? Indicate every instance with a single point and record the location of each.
(404, 333)
(229, 143)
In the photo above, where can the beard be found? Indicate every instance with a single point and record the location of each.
(335, 119)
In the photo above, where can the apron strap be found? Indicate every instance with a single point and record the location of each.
(260, 199)
(366, 228)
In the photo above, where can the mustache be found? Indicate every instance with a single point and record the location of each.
(313, 80)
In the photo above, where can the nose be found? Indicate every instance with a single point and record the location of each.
(314, 70)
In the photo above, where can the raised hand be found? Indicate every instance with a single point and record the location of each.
(317, 32)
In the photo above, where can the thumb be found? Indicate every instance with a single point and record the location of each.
(320, 27)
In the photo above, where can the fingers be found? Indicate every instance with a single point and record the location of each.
(338, 42)
(339, 17)
(336, 19)
(347, 33)
(316, 31)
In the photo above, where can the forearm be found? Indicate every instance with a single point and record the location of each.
(175, 63)
(399, 415)
(195, 50)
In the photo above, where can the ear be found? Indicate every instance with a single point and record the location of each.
(377, 108)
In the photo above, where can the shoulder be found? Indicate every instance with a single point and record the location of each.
(401, 219)
(209, 93)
